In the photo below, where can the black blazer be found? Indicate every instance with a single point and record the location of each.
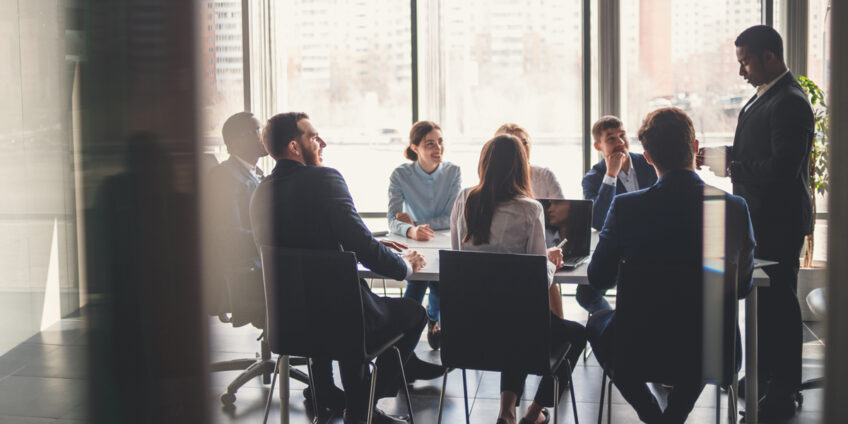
(770, 161)
(664, 224)
(602, 194)
(301, 206)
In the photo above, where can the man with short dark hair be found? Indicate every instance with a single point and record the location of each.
(618, 172)
(230, 186)
(303, 204)
(769, 167)
(666, 222)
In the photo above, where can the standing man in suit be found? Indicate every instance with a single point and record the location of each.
(303, 204)
(665, 221)
(618, 172)
(230, 186)
(769, 167)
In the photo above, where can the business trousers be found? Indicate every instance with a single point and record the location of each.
(681, 399)
(780, 338)
(562, 331)
(405, 315)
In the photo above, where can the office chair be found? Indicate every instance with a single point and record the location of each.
(246, 305)
(516, 296)
(660, 327)
(315, 309)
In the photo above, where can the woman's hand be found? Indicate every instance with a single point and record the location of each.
(424, 233)
(404, 217)
(555, 256)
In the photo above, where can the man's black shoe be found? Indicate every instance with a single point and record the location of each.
(379, 417)
(775, 409)
(416, 369)
(434, 334)
(334, 400)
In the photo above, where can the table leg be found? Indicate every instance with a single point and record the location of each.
(751, 377)
(284, 390)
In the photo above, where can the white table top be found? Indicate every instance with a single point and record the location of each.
(430, 251)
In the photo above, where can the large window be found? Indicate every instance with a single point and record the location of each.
(220, 72)
(508, 61)
(681, 53)
(347, 63)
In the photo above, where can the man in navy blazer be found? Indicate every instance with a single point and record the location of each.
(769, 167)
(665, 224)
(230, 186)
(303, 204)
(618, 172)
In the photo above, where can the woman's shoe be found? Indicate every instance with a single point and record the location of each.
(544, 413)
(434, 334)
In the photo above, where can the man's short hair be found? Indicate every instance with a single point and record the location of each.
(668, 137)
(760, 39)
(280, 130)
(236, 126)
(604, 123)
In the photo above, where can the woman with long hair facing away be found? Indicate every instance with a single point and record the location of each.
(500, 215)
(421, 194)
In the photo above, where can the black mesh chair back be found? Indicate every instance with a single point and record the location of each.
(676, 321)
(487, 295)
(314, 303)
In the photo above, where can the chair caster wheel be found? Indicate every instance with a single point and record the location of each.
(799, 398)
(227, 399)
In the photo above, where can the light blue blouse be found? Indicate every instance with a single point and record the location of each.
(427, 198)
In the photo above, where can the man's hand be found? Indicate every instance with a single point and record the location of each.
(420, 232)
(699, 159)
(415, 260)
(555, 256)
(394, 245)
(404, 217)
(614, 163)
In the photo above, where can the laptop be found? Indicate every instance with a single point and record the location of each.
(569, 220)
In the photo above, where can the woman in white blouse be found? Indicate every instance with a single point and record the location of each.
(545, 186)
(500, 215)
(543, 180)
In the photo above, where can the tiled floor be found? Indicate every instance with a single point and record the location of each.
(44, 381)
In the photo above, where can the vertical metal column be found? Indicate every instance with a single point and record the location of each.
(245, 51)
(413, 13)
(587, 86)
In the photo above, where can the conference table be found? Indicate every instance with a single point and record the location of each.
(441, 241)
(430, 272)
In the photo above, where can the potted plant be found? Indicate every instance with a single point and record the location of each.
(812, 274)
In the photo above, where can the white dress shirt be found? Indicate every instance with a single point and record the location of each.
(628, 179)
(518, 226)
(762, 88)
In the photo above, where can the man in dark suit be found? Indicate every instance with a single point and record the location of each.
(769, 167)
(665, 224)
(618, 172)
(305, 205)
(235, 257)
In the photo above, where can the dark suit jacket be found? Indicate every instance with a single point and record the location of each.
(236, 258)
(770, 161)
(664, 224)
(602, 194)
(310, 207)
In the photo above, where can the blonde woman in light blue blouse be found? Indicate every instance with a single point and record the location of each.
(421, 195)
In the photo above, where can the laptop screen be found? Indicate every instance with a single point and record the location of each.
(571, 220)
